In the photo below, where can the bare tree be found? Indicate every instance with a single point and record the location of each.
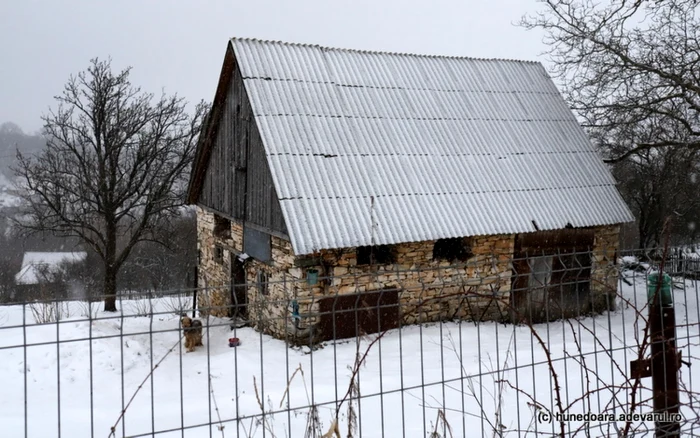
(630, 69)
(627, 64)
(659, 183)
(113, 172)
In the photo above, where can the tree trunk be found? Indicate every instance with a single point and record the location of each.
(643, 236)
(111, 269)
(110, 289)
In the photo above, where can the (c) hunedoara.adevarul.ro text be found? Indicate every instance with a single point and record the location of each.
(591, 417)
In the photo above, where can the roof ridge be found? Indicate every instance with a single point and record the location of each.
(379, 52)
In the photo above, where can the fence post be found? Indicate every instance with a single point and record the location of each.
(194, 297)
(664, 357)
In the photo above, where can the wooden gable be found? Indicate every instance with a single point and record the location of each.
(231, 174)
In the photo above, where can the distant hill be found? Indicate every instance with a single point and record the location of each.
(13, 138)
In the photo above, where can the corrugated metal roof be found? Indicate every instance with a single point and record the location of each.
(381, 148)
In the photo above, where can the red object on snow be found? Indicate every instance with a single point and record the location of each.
(234, 342)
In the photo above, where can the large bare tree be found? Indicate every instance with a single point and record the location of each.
(630, 69)
(625, 63)
(114, 168)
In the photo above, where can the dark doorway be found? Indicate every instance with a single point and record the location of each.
(239, 296)
(551, 275)
(351, 315)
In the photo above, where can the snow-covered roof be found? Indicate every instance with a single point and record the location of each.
(38, 265)
(381, 148)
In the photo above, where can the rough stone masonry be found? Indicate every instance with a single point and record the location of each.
(428, 289)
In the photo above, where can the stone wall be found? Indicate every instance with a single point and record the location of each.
(269, 299)
(214, 274)
(267, 306)
(604, 267)
(428, 289)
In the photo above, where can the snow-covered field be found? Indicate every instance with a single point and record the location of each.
(408, 375)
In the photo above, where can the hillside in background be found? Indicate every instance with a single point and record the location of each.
(12, 138)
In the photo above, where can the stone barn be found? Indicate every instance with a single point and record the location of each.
(341, 192)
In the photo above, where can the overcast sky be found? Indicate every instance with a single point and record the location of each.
(179, 45)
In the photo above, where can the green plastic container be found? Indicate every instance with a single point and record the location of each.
(665, 290)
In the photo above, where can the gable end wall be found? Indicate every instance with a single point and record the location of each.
(238, 182)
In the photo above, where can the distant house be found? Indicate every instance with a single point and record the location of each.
(41, 271)
(358, 165)
(45, 267)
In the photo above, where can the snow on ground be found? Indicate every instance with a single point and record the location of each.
(408, 374)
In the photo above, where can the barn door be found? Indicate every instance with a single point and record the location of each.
(551, 275)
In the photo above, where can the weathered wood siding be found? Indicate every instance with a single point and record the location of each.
(238, 182)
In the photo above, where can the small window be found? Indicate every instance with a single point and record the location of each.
(218, 254)
(376, 255)
(262, 282)
(222, 227)
(458, 248)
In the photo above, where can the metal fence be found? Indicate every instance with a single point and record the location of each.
(417, 363)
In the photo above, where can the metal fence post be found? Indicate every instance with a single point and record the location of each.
(664, 356)
(194, 295)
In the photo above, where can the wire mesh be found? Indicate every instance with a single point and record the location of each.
(434, 354)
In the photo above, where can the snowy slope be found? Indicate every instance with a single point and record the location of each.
(179, 394)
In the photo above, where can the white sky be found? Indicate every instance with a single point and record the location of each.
(178, 45)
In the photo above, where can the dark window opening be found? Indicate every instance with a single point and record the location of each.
(257, 244)
(222, 227)
(218, 254)
(376, 255)
(458, 248)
